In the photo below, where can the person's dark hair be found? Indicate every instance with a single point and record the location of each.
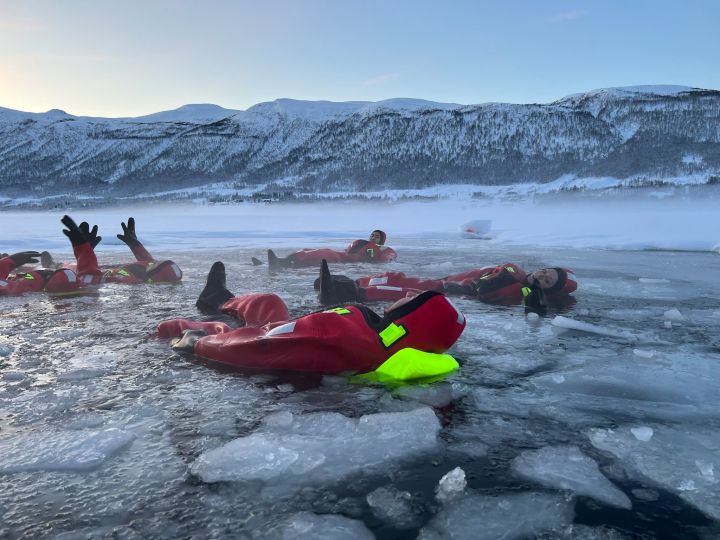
(382, 234)
(561, 281)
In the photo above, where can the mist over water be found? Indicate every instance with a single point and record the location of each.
(669, 218)
(605, 427)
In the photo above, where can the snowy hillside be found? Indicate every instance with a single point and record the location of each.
(636, 135)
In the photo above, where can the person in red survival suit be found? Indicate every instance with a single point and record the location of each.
(371, 250)
(346, 338)
(505, 284)
(145, 269)
(58, 282)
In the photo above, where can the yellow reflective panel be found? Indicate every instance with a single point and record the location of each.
(339, 311)
(391, 334)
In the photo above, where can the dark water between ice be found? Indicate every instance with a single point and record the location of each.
(74, 367)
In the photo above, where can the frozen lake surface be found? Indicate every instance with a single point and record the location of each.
(601, 422)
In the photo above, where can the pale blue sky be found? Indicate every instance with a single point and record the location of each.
(133, 57)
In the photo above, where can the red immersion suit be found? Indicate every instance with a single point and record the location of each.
(349, 338)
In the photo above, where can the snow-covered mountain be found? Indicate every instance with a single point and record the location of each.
(644, 134)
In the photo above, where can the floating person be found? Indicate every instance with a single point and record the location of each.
(15, 282)
(145, 269)
(505, 284)
(371, 250)
(347, 338)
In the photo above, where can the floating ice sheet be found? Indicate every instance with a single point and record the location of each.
(681, 460)
(322, 447)
(488, 518)
(566, 467)
(61, 451)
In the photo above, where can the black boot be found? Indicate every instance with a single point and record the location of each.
(255, 261)
(279, 262)
(214, 294)
(335, 289)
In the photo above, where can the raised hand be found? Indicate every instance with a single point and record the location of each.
(128, 236)
(24, 257)
(90, 235)
(73, 232)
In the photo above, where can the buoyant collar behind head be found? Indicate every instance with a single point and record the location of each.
(428, 322)
(165, 271)
(410, 306)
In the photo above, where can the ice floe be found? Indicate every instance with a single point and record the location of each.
(482, 517)
(680, 460)
(566, 467)
(321, 447)
(61, 451)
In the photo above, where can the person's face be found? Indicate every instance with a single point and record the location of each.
(401, 302)
(543, 278)
(376, 237)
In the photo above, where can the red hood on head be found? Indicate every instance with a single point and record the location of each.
(164, 272)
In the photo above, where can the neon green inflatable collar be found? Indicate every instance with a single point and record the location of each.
(410, 364)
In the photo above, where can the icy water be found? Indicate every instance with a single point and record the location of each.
(607, 431)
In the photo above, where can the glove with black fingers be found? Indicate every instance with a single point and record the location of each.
(90, 235)
(128, 236)
(73, 232)
(24, 257)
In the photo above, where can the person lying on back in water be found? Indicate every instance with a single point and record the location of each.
(15, 281)
(346, 338)
(371, 250)
(505, 284)
(145, 269)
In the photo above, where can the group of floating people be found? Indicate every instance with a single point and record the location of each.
(255, 331)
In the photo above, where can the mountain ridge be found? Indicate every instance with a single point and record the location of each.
(656, 131)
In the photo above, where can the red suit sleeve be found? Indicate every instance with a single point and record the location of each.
(386, 292)
(7, 265)
(399, 279)
(313, 257)
(23, 282)
(257, 309)
(322, 342)
(175, 327)
(87, 264)
(500, 285)
(141, 254)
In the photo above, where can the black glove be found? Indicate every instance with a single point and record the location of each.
(73, 232)
(90, 235)
(3, 255)
(24, 257)
(535, 299)
(128, 236)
